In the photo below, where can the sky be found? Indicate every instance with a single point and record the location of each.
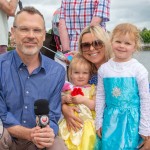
(132, 11)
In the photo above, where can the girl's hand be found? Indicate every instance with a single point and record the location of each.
(79, 99)
(145, 145)
(68, 99)
(99, 132)
(73, 122)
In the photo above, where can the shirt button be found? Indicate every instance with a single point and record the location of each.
(20, 69)
(27, 92)
(24, 121)
(25, 107)
(28, 77)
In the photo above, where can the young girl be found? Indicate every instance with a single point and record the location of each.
(123, 99)
(78, 92)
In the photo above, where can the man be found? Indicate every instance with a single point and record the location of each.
(75, 15)
(25, 76)
(7, 8)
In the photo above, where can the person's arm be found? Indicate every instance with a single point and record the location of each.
(9, 7)
(62, 28)
(55, 99)
(20, 132)
(101, 13)
(96, 21)
(143, 85)
(100, 101)
(41, 137)
(64, 37)
(73, 122)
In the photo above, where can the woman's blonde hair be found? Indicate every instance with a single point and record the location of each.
(77, 61)
(100, 34)
(130, 29)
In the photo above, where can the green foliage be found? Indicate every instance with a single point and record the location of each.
(10, 48)
(145, 34)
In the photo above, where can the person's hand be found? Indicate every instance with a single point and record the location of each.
(145, 137)
(73, 122)
(145, 145)
(73, 53)
(43, 137)
(78, 99)
(67, 99)
(99, 132)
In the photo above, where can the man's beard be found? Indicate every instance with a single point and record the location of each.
(30, 51)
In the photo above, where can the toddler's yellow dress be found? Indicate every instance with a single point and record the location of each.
(84, 139)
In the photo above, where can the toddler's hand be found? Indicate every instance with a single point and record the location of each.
(78, 99)
(68, 99)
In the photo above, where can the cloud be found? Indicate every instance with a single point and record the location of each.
(136, 12)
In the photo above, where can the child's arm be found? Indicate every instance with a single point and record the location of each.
(100, 101)
(144, 93)
(79, 99)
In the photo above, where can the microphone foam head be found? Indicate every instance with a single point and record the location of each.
(41, 107)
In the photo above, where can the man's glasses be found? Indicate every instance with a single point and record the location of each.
(25, 30)
(97, 44)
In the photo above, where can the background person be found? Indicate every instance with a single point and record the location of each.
(122, 96)
(97, 54)
(7, 8)
(27, 75)
(75, 15)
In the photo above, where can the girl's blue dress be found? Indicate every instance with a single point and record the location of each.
(121, 115)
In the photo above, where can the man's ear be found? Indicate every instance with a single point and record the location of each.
(44, 36)
(12, 32)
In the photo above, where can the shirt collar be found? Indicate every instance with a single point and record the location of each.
(19, 62)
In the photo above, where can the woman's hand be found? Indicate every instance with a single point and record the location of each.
(73, 122)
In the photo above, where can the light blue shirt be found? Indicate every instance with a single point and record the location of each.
(19, 90)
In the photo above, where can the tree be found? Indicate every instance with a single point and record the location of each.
(145, 34)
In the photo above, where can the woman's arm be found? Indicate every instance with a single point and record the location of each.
(73, 122)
